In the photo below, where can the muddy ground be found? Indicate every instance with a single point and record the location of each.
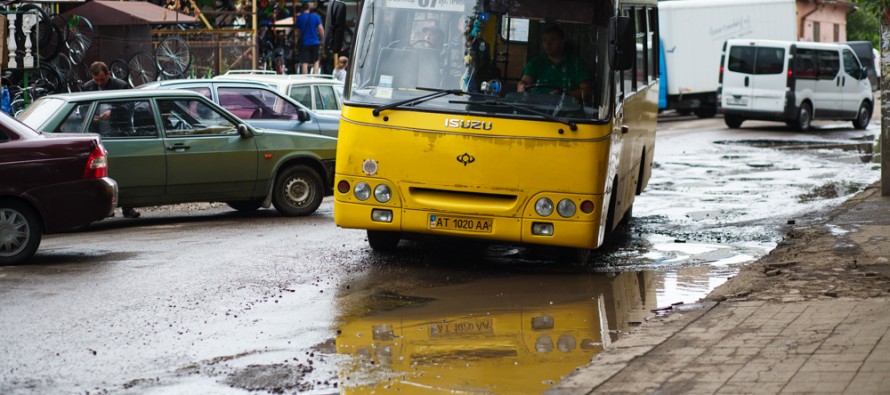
(839, 254)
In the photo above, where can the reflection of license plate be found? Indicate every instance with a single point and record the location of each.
(465, 224)
(737, 101)
(463, 327)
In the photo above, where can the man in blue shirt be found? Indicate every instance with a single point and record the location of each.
(310, 32)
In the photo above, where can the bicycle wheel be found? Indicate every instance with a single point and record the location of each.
(66, 70)
(143, 69)
(174, 56)
(80, 36)
(120, 69)
(80, 75)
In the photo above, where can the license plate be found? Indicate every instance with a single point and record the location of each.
(462, 328)
(464, 224)
(737, 101)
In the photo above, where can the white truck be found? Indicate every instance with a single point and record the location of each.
(692, 36)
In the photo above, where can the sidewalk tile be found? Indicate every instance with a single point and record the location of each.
(768, 370)
(749, 388)
(869, 383)
(818, 383)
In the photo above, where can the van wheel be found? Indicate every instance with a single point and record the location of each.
(733, 121)
(862, 117)
(804, 117)
(382, 241)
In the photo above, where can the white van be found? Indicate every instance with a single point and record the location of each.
(794, 82)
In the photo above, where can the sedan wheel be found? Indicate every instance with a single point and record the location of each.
(298, 191)
(20, 232)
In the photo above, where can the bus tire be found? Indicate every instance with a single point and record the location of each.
(382, 241)
(733, 121)
(863, 116)
(613, 203)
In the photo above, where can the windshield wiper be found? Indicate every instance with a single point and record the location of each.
(564, 121)
(417, 100)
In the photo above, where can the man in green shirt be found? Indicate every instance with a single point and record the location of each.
(556, 68)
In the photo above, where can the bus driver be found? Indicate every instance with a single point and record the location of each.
(556, 68)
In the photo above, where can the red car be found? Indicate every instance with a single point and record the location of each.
(48, 184)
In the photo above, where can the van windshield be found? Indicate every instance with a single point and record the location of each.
(405, 46)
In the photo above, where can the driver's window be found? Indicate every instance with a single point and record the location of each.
(192, 117)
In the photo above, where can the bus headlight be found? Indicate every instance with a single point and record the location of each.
(362, 191)
(566, 208)
(382, 193)
(544, 344)
(566, 343)
(544, 207)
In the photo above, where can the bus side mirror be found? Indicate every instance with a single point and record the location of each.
(622, 46)
(335, 27)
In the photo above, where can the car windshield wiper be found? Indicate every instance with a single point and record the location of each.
(564, 121)
(437, 93)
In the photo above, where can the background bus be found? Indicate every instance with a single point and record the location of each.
(437, 138)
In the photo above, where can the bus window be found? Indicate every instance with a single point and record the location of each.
(515, 30)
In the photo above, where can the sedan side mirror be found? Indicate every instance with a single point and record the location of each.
(303, 115)
(245, 131)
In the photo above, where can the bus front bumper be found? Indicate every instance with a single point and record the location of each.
(545, 231)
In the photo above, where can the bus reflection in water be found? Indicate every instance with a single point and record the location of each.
(516, 335)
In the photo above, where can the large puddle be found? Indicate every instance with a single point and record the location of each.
(510, 320)
(499, 335)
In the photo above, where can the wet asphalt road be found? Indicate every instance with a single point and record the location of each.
(201, 299)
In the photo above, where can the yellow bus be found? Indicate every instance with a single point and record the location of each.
(521, 121)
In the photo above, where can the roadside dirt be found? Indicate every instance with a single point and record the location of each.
(842, 254)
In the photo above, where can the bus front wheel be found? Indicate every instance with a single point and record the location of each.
(383, 241)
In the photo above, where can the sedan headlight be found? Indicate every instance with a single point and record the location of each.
(382, 193)
(362, 191)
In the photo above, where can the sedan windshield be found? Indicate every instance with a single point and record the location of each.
(404, 48)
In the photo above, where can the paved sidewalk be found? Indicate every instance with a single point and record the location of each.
(811, 317)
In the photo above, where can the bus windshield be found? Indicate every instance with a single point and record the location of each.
(404, 48)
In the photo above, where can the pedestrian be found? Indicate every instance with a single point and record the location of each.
(104, 81)
(340, 71)
(310, 35)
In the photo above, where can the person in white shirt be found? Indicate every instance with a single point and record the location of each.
(340, 70)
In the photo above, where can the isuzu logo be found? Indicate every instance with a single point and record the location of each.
(466, 158)
(466, 124)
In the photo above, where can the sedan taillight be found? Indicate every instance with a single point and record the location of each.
(97, 164)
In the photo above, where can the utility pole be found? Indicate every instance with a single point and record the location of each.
(885, 103)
